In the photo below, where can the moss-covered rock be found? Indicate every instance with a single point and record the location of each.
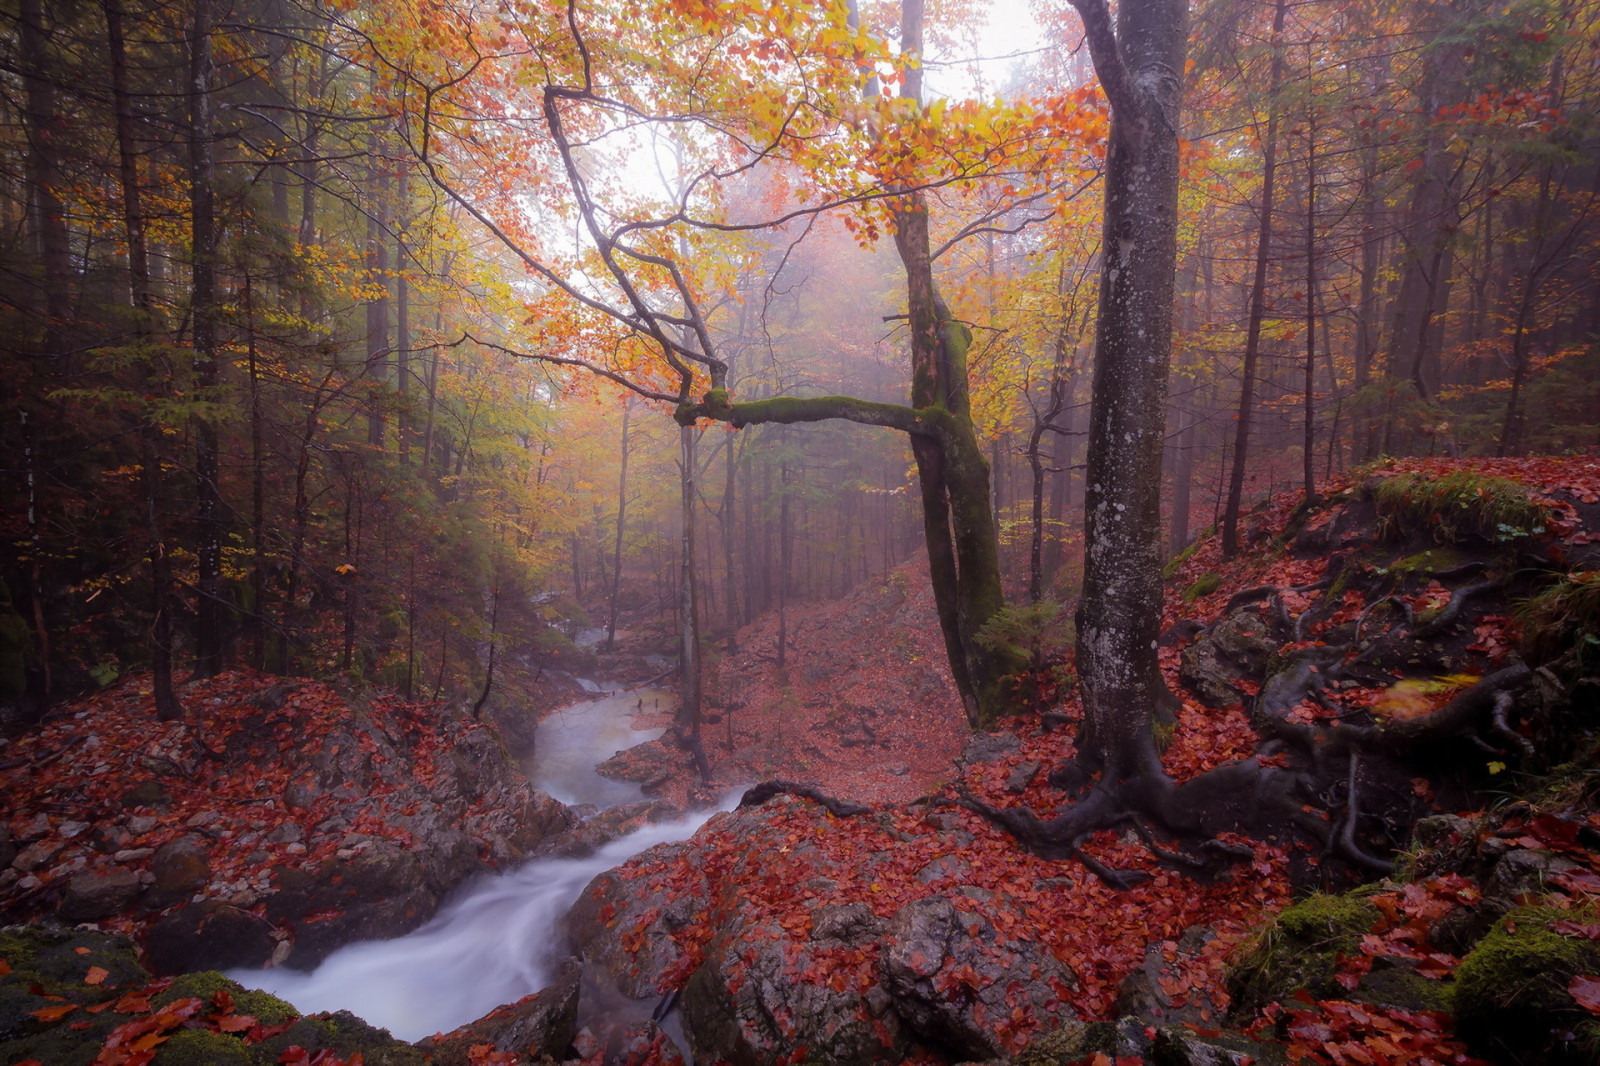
(263, 1006)
(205, 1047)
(1301, 950)
(1511, 999)
(1461, 507)
(344, 1034)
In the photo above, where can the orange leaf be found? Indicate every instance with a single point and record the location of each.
(96, 975)
(54, 1014)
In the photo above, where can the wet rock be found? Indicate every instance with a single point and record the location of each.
(375, 894)
(648, 765)
(627, 931)
(209, 935)
(96, 894)
(952, 977)
(544, 1023)
(180, 867)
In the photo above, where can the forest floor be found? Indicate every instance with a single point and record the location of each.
(862, 707)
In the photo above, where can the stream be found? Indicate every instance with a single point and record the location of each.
(499, 937)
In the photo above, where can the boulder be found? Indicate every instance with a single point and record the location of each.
(100, 893)
(957, 983)
(1238, 646)
(209, 935)
(181, 867)
(542, 1024)
(374, 894)
(760, 994)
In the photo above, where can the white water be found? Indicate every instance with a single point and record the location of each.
(500, 938)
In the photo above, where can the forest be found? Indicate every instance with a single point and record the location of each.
(1070, 458)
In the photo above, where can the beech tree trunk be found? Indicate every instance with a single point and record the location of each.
(1140, 64)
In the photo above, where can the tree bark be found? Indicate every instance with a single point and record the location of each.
(210, 616)
(1140, 65)
(1258, 297)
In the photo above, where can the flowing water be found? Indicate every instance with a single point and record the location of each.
(500, 937)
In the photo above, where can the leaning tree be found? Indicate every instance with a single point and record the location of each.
(744, 93)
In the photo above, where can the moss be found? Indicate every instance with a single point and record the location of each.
(1073, 1042)
(1174, 564)
(1460, 507)
(1564, 615)
(344, 1034)
(205, 984)
(1511, 997)
(205, 1047)
(1401, 988)
(1204, 585)
(1301, 949)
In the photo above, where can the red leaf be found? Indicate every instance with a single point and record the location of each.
(1586, 990)
(1568, 927)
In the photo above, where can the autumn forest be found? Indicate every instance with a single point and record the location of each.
(1146, 447)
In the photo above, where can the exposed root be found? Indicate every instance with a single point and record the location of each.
(1448, 616)
(756, 795)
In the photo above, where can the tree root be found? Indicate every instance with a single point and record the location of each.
(756, 795)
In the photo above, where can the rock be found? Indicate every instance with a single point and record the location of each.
(1022, 777)
(647, 918)
(1149, 990)
(285, 832)
(1511, 998)
(209, 935)
(140, 824)
(544, 1023)
(647, 765)
(202, 819)
(845, 921)
(1178, 1046)
(1301, 950)
(96, 894)
(181, 867)
(1238, 646)
(8, 850)
(989, 747)
(147, 793)
(373, 895)
(36, 855)
(952, 978)
(749, 1004)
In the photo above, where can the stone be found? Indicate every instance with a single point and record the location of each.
(1236, 647)
(209, 935)
(181, 867)
(96, 894)
(36, 855)
(952, 977)
(544, 1023)
(374, 895)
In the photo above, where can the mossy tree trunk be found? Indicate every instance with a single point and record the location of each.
(956, 517)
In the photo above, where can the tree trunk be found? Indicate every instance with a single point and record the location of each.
(210, 616)
(1140, 65)
(616, 547)
(690, 681)
(1258, 297)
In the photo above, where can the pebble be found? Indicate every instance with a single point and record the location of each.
(133, 854)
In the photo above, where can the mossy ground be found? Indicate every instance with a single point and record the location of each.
(1511, 1000)
(1301, 949)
